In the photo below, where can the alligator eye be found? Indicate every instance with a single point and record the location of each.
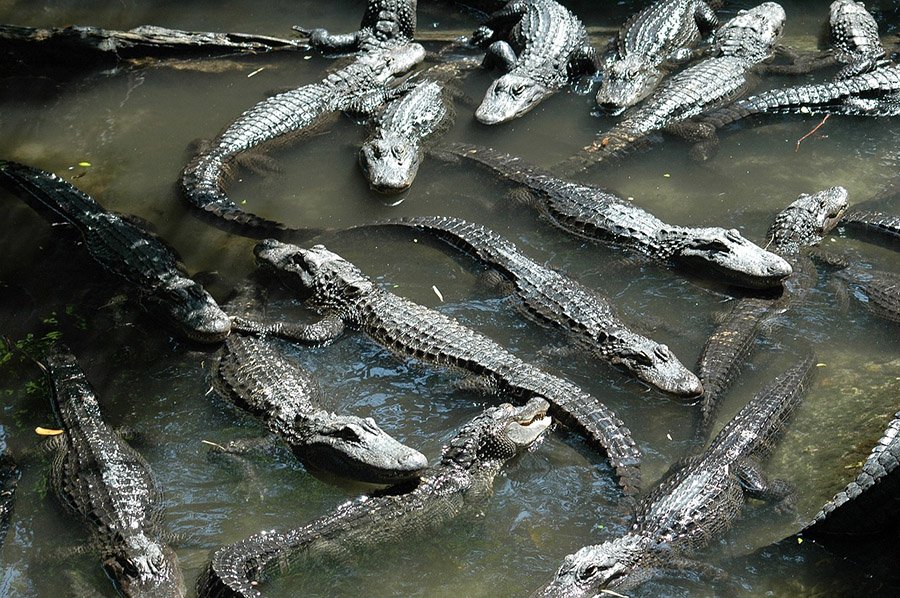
(518, 89)
(399, 150)
(588, 572)
(347, 433)
(662, 352)
(733, 235)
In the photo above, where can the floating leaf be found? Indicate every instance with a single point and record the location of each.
(85, 164)
(47, 431)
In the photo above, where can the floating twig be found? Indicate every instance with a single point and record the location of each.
(816, 128)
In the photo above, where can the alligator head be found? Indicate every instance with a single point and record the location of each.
(190, 309)
(613, 565)
(725, 255)
(143, 567)
(394, 61)
(807, 220)
(510, 97)
(751, 34)
(390, 162)
(651, 362)
(356, 448)
(626, 82)
(497, 435)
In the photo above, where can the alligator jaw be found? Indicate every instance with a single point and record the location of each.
(510, 97)
(730, 257)
(529, 422)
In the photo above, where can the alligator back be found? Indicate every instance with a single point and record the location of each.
(855, 39)
(885, 224)
(551, 34)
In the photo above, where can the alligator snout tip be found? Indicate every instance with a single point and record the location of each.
(413, 461)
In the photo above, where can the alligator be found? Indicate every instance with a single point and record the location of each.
(695, 503)
(458, 485)
(593, 213)
(554, 299)
(105, 482)
(877, 289)
(385, 24)
(802, 224)
(123, 246)
(887, 225)
(740, 44)
(255, 375)
(664, 32)
(347, 298)
(541, 45)
(9, 478)
(869, 504)
(361, 86)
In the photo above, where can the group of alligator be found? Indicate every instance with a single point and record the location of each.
(542, 47)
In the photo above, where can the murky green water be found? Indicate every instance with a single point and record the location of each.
(136, 126)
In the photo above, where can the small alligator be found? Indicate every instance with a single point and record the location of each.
(802, 224)
(98, 477)
(596, 214)
(252, 373)
(458, 485)
(123, 247)
(9, 478)
(385, 24)
(361, 86)
(663, 32)
(877, 289)
(541, 45)
(695, 503)
(554, 299)
(742, 43)
(347, 298)
(870, 504)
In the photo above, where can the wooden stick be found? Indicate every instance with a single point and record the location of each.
(816, 128)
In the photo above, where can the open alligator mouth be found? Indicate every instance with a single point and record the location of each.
(530, 422)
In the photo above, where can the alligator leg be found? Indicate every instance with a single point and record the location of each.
(756, 485)
(500, 54)
(499, 24)
(706, 18)
(322, 332)
(320, 39)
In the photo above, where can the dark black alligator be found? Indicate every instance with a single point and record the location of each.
(541, 45)
(458, 485)
(105, 482)
(9, 478)
(125, 249)
(802, 224)
(385, 24)
(349, 299)
(695, 503)
(552, 298)
(878, 290)
(664, 32)
(255, 375)
(742, 43)
(887, 225)
(598, 215)
(870, 504)
(361, 86)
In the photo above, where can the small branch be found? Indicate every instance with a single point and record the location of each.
(816, 128)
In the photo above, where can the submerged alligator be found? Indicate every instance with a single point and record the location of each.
(664, 32)
(385, 24)
(802, 224)
(124, 248)
(255, 375)
(348, 299)
(870, 504)
(541, 45)
(695, 503)
(886, 225)
(459, 484)
(584, 315)
(361, 86)
(740, 44)
(98, 477)
(598, 215)
(9, 478)
(880, 290)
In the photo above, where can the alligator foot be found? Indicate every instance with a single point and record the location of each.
(501, 55)
(778, 492)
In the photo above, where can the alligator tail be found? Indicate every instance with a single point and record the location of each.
(609, 147)
(47, 193)
(878, 222)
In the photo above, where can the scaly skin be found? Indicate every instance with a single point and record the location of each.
(804, 223)
(124, 249)
(596, 214)
(458, 485)
(881, 289)
(255, 375)
(9, 478)
(385, 24)
(741, 43)
(855, 39)
(887, 225)
(347, 298)
(98, 477)
(693, 505)
(542, 45)
(663, 32)
(361, 86)
(869, 504)
(556, 300)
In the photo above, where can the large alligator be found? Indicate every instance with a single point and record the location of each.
(664, 32)
(593, 213)
(9, 478)
(349, 299)
(124, 248)
(105, 482)
(870, 504)
(740, 44)
(541, 45)
(802, 224)
(458, 485)
(695, 503)
(385, 24)
(552, 298)
(254, 374)
(361, 86)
